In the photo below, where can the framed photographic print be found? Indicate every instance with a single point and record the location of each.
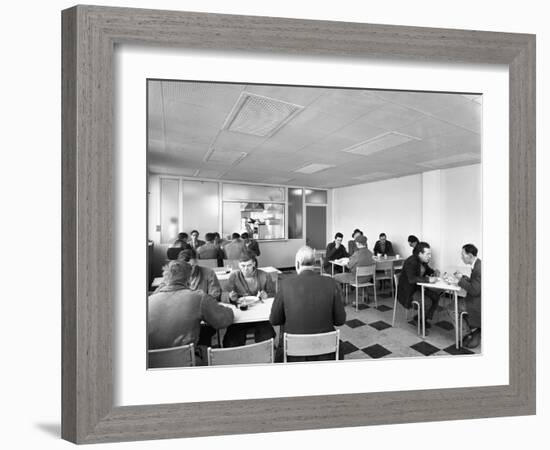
(255, 207)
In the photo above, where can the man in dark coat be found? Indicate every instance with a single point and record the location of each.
(383, 246)
(335, 250)
(308, 303)
(352, 247)
(251, 244)
(472, 302)
(416, 270)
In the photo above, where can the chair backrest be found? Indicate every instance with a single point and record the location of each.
(182, 356)
(259, 353)
(233, 263)
(311, 344)
(396, 279)
(364, 271)
(384, 265)
(211, 263)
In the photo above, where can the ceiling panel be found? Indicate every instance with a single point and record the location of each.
(185, 124)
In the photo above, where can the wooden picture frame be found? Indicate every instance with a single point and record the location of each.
(89, 37)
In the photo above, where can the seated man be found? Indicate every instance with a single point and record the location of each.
(195, 242)
(361, 257)
(351, 244)
(308, 303)
(249, 280)
(416, 270)
(383, 246)
(472, 303)
(413, 242)
(251, 244)
(179, 244)
(201, 278)
(210, 250)
(236, 249)
(335, 250)
(175, 312)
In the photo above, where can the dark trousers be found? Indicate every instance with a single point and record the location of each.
(205, 336)
(235, 336)
(431, 297)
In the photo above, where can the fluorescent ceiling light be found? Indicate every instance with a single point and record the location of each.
(258, 115)
(379, 143)
(313, 168)
(453, 159)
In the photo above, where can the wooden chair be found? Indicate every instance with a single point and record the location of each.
(362, 272)
(211, 263)
(384, 271)
(311, 344)
(183, 356)
(414, 303)
(260, 353)
(319, 260)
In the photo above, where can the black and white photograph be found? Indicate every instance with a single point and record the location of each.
(305, 223)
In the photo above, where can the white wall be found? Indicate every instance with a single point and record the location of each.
(442, 207)
(390, 206)
(31, 385)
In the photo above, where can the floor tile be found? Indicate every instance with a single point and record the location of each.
(354, 323)
(445, 325)
(380, 325)
(347, 347)
(425, 348)
(376, 351)
(384, 308)
(452, 350)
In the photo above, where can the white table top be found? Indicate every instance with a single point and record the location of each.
(258, 312)
(443, 285)
(345, 261)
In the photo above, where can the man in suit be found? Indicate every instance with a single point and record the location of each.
(416, 270)
(179, 244)
(383, 246)
(335, 250)
(308, 303)
(249, 281)
(210, 250)
(251, 244)
(236, 249)
(195, 242)
(472, 303)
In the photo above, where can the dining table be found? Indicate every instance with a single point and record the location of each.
(343, 262)
(441, 285)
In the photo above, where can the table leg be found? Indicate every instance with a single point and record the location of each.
(456, 320)
(332, 270)
(423, 316)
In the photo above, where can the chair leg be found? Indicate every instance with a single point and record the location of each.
(394, 307)
(357, 299)
(375, 299)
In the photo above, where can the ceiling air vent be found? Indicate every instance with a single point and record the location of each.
(379, 143)
(259, 115)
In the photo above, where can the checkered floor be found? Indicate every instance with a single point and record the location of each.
(368, 333)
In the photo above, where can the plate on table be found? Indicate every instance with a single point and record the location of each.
(248, 300)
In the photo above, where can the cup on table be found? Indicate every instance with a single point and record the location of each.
(432, 279)
(385, 256)
(397, 256)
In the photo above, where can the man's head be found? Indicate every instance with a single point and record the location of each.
(176, 272)
(361, 241)
(356, 232)
(338, 237)
(189, 255)
(183, 237)
(244, 236)
(424, 252)
(469, 253)
(305, 259)
(194, 235)
(412, 240)
(209, 237)
(382, 237)
(235, 236)
(247, 264)
(217, 236)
